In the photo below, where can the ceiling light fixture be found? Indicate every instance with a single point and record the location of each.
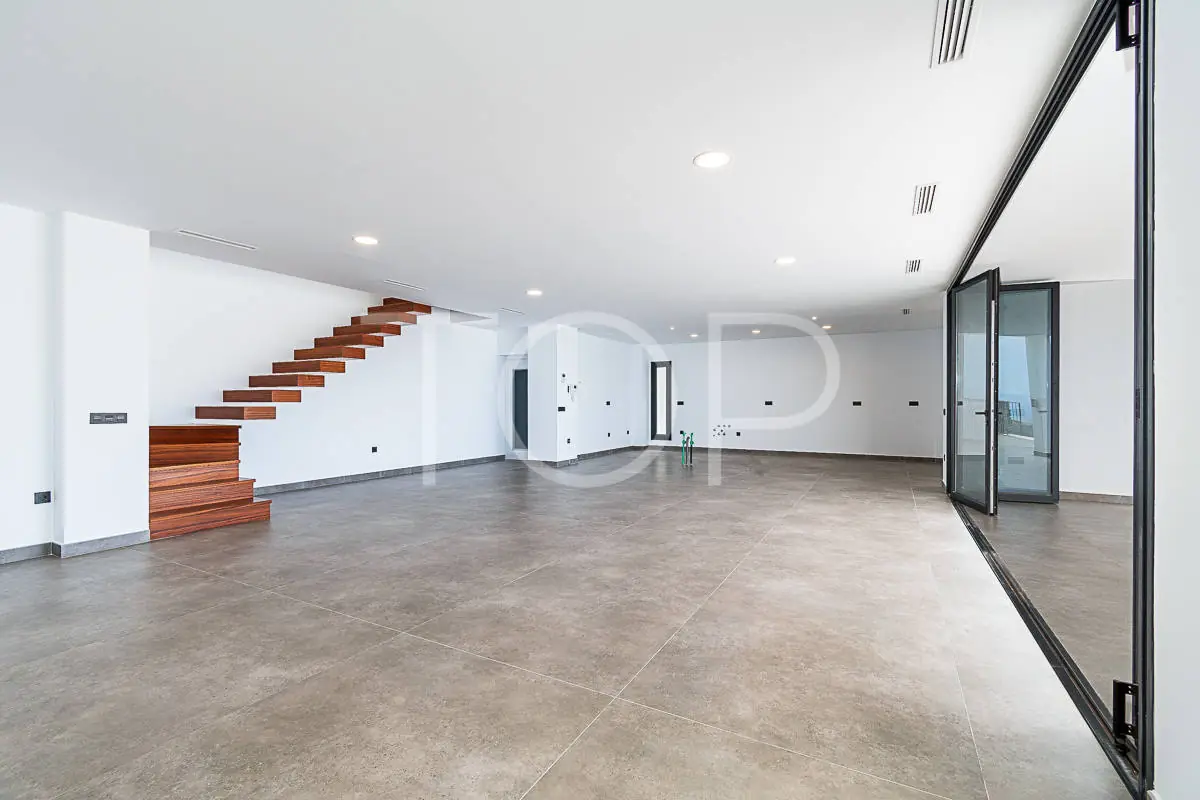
(756, 332)
(672, 327)
(693, 335)
(814, 319)
(826, 327)
(711, 159)
(785, 261)
(370, 241)
(534, 292)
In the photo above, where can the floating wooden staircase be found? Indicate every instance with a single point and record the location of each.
(328, 354)
(195, 482)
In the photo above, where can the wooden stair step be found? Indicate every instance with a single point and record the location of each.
(235, 412)
(405, 305)
(261, 396)
(287, 380)
(170, 455)
(358, 339)
(386, 317)
(198, 518)
(308, 366)
(196, 433)
(380, 329)
(173, 498)
(187, 474)
(331, 352)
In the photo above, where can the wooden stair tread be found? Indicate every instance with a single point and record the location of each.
(329, 352)
(196, 433)
(172, 455)
(261, 396)
(355, 339)
(215, 515)
(405, 305)
(187, 474)
(235, 412)
(308, 366)
(292, 379)
(197, 495)
(378, 328)
(386, 317)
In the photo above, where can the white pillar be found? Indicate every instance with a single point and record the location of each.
(100, 355)
(1177, 423)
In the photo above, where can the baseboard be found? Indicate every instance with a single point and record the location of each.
(609, 452)
(15, 554)
(371, 476)
(872, 456)
(96, 545)
(557, 464)
(1094, 497)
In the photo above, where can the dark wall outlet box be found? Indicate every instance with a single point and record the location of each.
(739, 433)
(768, 402)
(678, 402)
(568, 441)
(610, 436)
(374, 448)
(857, 402)
(108, 418)
(608, 402)
(41, 497)
(562, 408)
(914, 402)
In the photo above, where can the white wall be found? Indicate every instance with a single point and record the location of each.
(1177, 428)
(217, 323)
(613, 401)
(883, 370)
(1096, 387)
(26, 463)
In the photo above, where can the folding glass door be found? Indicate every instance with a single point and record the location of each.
(972, 309)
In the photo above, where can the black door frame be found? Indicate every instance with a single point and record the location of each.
(654, 365)
(1028, 497)
(1136, 766)
(992, 279)
(516, 437)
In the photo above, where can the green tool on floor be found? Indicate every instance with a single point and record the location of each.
(685, 453)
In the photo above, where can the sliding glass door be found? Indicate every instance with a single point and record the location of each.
(972, 475)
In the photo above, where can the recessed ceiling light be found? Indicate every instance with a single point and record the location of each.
(756, 332)
(711, 159)
(693, 335)
(826, 327)
(814, 319)
(672, 327)
(367, 240)
(785, 261)
(534, 292)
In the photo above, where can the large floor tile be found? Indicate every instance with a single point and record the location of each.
(66, 717)
(408, 719)
(633, 753)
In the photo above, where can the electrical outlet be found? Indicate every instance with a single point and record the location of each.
(41, 497)
(374, 448)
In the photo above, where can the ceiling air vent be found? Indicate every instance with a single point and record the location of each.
(906, 311)
(512, 311)
(923, 199)
(216, 240)
(950, 31)
(912, 265)
(403, 285)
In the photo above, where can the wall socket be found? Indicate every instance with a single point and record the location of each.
(374, 448)
(41, 497)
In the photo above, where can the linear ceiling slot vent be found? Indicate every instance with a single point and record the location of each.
(216, 240)
(404, 285)
(906, 311)
(950, 31)
(512, 311)
(912, 265)
(923, 199)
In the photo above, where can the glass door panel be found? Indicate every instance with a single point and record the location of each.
(973, 318)
(1026, 439)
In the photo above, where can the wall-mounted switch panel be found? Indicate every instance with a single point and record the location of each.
(41, 497)
(119, 418)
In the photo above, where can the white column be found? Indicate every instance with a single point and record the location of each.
(1177, 389)
(100, 290)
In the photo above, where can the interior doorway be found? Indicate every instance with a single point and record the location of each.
(660, 401)
(520, 409)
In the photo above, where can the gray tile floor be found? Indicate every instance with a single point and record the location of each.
(811, 628)
(1075, 562)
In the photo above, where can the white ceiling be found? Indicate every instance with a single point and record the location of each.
(493, 147)
(1071, 219)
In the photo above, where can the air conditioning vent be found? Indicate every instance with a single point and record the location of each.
(912, 265)
(216, 240)
(512, 311)
(906, 311)
(403, 285)
(950, 31)
(923, 199)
